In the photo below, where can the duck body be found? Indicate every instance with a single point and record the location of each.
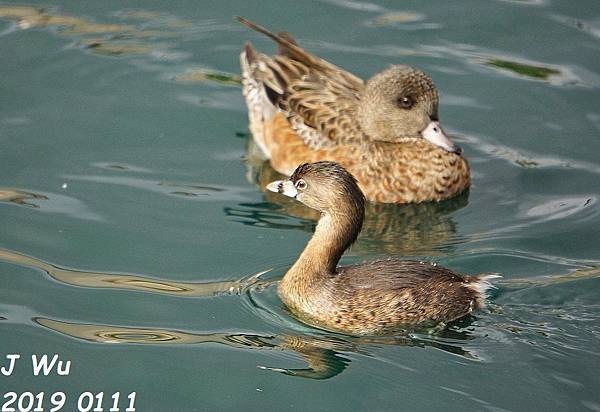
(368, 298)
(381, 296)
(410, 172)
(384, 131)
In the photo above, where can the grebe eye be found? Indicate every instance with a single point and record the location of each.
(301, 184)
(405, 102)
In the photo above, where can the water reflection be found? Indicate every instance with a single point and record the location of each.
(504, 63)
(200, 75)
(122, 167)
(549, 280)
(20, 197)
(48, 202)
(392, 18)
(524, 158)
(404, 20)
(324, 355)
(407, 230)
(144, 33)
(522, 69)
(198, 191)
(34, 17)
(137, 282)
(540, 210)
(590, 27)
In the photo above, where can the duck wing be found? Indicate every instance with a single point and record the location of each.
(318, 98)
(393, 274)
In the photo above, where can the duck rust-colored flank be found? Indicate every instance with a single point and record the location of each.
(372, 297)
(385, 131)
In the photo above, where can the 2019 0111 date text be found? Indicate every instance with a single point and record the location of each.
(58, 401)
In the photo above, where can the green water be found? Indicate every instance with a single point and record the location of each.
(132, 223)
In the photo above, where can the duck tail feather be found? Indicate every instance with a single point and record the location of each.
(482, 284)
(261, 29)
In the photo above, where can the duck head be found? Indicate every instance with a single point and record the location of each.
(401, 103)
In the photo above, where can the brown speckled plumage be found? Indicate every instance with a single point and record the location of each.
(368, 298)
(304, 109)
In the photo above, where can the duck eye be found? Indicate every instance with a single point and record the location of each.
(405, 102)
(301, 184)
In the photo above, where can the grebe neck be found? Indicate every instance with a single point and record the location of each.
(335, 232)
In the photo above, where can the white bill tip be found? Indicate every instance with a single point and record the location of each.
(285, 187)
(434, 134)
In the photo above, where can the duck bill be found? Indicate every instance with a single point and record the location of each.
(285, 187)
(435, 134)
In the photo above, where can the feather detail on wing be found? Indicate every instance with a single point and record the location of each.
(318, 98)
(393, 274)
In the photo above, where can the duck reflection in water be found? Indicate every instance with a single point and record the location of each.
(323, 354)
(416, 229)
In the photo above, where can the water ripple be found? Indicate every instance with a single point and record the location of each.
(217, 100)
(356, 5)
(519, 67)
(393, 18)
(124, 167)
(150, 36)
(210, 193)
(321, 350)
(579, 264)
(523, 158)
(559, 207)
(323, 353)
(552, 331)
(590, 27)
(48, 202)
(531, 213)
(122, 281)
(384, 50)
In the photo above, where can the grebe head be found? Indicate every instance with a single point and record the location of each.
(324, 186)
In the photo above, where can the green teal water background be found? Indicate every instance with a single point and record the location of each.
(134, 232)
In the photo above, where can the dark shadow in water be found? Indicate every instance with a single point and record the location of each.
(405, 230)
(322, 354)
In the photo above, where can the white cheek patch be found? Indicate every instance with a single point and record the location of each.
(434, 134)
(285, 187)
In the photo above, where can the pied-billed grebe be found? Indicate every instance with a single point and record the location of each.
(385, 131)
(367, 298)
